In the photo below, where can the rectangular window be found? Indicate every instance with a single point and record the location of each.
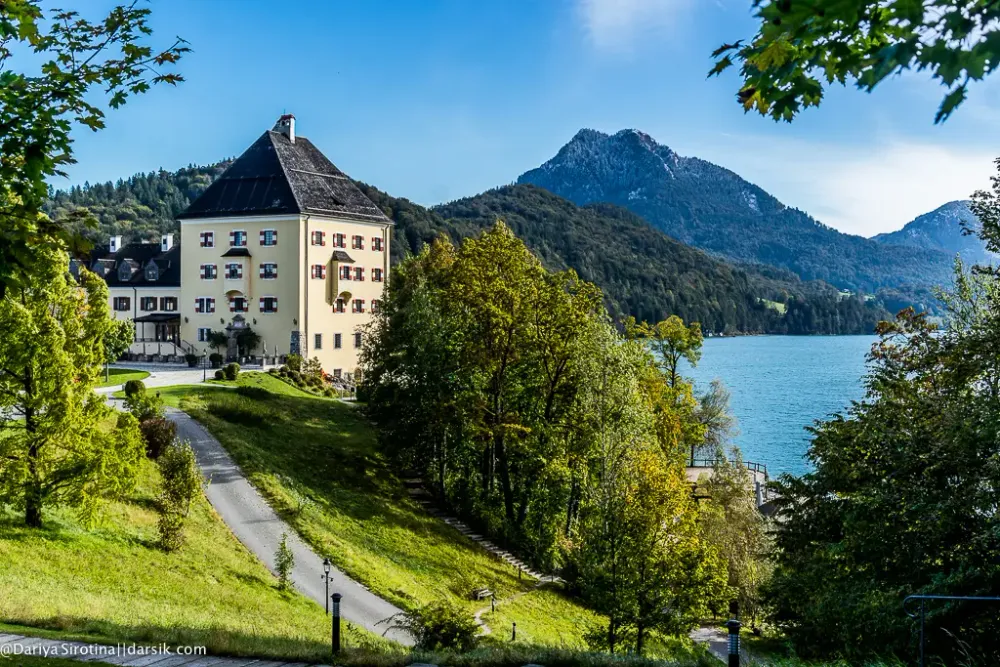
(168, 303)
(318, 271)
(377, 243)
(234, 271)
(337, 372)
(318, 238)
(269, 271)
(147, 303)
(238, 304)
(359, 273)
(317, 341)
(339, 241)
(269, 237)
(268, 304)
(357, 339)
(358, 242)
(203, 333)
(122, 303)
(345, 272)
(338, 306)
(336, 341)
(358, 306)
(204, 304)
(208, 271)
(237, 239)
(376, 275)
(376, 306)
(207, 239)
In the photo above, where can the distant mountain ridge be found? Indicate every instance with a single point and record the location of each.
(713, 208)
(941, 230)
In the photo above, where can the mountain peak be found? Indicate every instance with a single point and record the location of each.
(942, 229)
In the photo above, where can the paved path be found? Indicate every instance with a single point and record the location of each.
(257, 526)
(127, 655)
(716, 640)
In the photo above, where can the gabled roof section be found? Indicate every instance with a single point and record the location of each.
(137, 256)
(278, 176)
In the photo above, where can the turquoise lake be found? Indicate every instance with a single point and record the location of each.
(781, 384)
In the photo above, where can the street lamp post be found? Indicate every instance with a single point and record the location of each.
(335, 636)
(204, 366)
(734, 643)
(326, 579)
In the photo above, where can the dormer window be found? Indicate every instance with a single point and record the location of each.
(152, 272)
(125, 271)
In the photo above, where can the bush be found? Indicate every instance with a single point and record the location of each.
(294, 362)
(312, 368)
(144, 406)
(158, 433)
(216, 359)
(231, 371)
(191, 359)
(284, 561)
(135, 388)
(181, 482)
(219, 375)
(440, 626)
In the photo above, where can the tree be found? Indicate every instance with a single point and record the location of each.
(284, 561)
(218, 340)
(181, 484)
(802, 46)
(118, 339)
(671, 341)
(82, 63)
(57, 445)
(247, 341)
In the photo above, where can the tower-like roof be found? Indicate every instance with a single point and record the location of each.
(282, 174)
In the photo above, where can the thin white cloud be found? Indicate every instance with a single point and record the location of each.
(615, 25)
(856, 190)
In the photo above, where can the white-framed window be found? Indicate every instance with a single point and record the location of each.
(318, 271)
(345, 272)
(338, 306)
(268, 304)
(204, 304)
(318, 238)
(358, 242)
(376, 275)
(168, 303)
(269, 237)
(377, 243)
(206, 239)
(122, 303)
(339, 241)
(203, 333)
(269, 270)
(238, 304)
(376, 306)
(318, 341)
(234, 271)
(208, 271)
(337, 339)
(238, 238)
(359, 273)
(358, 306)
(357, 339)
(147, 303)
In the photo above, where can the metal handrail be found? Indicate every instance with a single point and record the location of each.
(920, 614)
(709, 463)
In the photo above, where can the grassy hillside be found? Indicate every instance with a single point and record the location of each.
(114, 584)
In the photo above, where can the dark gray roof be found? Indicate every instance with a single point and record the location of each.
(278, 177)
(341, 256)
(137, 255)
(237, 252)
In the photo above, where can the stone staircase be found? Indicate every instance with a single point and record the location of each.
(419, 493)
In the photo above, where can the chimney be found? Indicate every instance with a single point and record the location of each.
(286, 126)
(115, 244)
(166, 242)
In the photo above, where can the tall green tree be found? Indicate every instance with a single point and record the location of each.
(59, 443)
(85, 65)
(803, 46)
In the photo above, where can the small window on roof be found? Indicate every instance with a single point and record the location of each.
(124, 271)
(152, 271)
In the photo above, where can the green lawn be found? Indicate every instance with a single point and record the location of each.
(113, 583)
(121, 376)
(317, 463)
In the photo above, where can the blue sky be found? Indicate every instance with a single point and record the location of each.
(439, 99)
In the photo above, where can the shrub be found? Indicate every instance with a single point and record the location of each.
(295, 376)
(294, 362)
(219, 375)
(231, 371)
(440, 626)
(144, 406)
(135, 388)
(312, 368)
(191, 359)
(284, 561)
(159, 434)
(181, 482)
(216, 359)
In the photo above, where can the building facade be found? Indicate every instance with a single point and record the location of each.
(284, 243)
